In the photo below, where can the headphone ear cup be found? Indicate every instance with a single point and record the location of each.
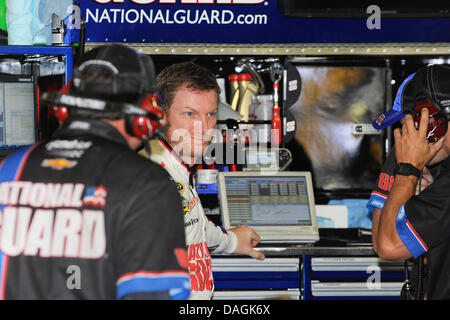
(150, 103)
(437, 122)
(143, 127)
(140, 126)
(146, 127)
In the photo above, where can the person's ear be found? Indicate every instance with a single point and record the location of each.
(165, 119)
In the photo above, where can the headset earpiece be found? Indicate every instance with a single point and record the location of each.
(150, 103)
(143, 127)
(437, 121)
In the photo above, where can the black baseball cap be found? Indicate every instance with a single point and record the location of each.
(108, 80)
(125, 74)
(428, 83)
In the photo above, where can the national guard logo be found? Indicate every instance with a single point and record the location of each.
(58, 164)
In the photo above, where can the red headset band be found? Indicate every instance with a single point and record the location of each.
(93, 104)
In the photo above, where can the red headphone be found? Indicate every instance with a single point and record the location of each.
(141, 120)
(437, 121)
(145, 127)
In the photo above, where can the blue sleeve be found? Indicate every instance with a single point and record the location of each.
(376, 200)
(409, 235)
(176, 284)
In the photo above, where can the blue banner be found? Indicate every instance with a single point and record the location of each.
(241, 22)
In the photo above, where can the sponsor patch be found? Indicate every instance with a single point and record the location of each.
(95, 196)
(68, 144)
(380, 119)
(180, 186)
(58, 164)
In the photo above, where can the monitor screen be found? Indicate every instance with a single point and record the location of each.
(17, 112)
(267, 200)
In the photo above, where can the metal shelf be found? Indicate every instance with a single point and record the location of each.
(304, 49)
(66, 51)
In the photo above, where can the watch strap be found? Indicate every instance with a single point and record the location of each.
(407, 169)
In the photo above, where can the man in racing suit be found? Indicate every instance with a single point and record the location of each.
(83, 216)
(190, 97)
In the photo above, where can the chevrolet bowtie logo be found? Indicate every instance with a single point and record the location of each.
(59, 163)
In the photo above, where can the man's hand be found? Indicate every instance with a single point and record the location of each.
(247, 240)
(411, 145)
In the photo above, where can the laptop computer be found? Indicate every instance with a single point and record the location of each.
(280, 207)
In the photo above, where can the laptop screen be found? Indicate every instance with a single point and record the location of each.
(262, 200)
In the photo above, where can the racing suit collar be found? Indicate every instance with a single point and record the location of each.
(93, 127)
(169, 148)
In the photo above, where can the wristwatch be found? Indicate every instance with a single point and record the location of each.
(407, 169)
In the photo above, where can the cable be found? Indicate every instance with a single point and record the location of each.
(420, 266)
(407, 292)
